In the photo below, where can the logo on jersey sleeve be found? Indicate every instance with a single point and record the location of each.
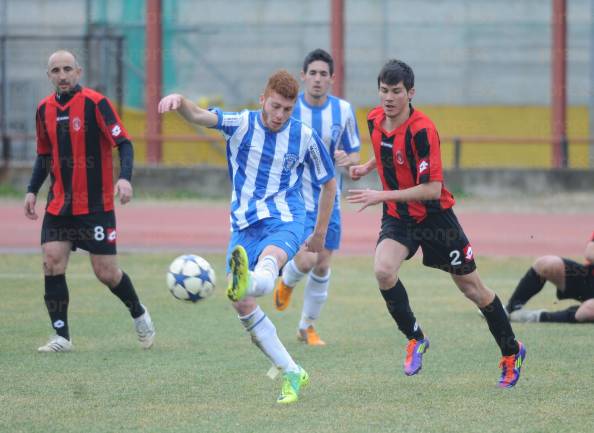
(468, 256)
(423, 166)
(111, 235)
(232, 119)
(116, 130)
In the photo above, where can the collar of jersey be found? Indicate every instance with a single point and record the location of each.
(266, 128)
(379, 120)
(75, 92)
(314, 107)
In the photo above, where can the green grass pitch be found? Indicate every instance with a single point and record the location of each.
(204, 375)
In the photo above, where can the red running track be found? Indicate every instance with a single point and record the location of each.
(188, 227)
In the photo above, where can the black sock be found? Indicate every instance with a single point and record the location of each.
(529, 285)
(125, 291)
(56, 300)
(500, 327)
(564, 316)
(398, 306)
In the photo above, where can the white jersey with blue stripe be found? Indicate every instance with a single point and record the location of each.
(266, 167)
(335, 123)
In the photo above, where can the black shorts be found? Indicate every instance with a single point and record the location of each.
(579, 281)
(440, 236)
(94, 232)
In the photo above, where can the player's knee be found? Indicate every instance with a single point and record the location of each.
(585, 313)
(53, 265)
(304, 262)
(322, 269)
(107, 275)
(385, 276)
(546, 266)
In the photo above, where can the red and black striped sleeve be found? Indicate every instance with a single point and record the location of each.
(43, 142)
(429, 166)
(110, 123)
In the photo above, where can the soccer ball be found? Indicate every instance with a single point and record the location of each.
(190, 278)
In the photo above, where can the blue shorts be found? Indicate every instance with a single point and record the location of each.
(332, 235)
(269, 231)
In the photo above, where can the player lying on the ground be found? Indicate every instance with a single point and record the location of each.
(572, 280)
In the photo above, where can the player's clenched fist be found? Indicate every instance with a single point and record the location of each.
(170, 103)
(356, 172)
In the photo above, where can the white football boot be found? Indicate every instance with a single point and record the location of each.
(56, 343)
(145, 329)
(525, 316)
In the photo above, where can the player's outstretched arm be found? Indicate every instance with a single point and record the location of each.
(356, 172)
(188, 110)
(315, 242)
(370, 197)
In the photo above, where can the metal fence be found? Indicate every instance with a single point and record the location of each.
(23, 67)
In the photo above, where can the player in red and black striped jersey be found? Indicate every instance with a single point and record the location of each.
(77, 128)
(573, 280)
(418, 213)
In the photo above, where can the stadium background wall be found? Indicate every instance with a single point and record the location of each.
(207, 181)
(482, 67)
(451, 121)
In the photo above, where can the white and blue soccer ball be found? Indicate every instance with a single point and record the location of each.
(190, 278)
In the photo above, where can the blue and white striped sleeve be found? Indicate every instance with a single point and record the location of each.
(318, 160)
(227, 122)
(350, 136)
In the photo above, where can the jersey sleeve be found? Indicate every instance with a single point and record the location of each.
(318, 160)
(350, 140)
(228, 122)
(43, 143)
(110, 123)
(429, 167)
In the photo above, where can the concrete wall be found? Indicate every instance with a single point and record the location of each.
(213, 182)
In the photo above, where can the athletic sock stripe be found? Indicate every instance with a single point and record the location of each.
(256, 324)
(319, 279)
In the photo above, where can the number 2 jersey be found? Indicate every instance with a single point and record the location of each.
(408, 156)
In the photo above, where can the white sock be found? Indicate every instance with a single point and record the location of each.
(291, 274)
(314, 298)
(264, 276)
(264, 336)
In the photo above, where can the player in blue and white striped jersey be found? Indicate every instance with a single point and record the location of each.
(267, 154)
(333, 119)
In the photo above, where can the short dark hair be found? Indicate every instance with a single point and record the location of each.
(394, 71)
(319, 54)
